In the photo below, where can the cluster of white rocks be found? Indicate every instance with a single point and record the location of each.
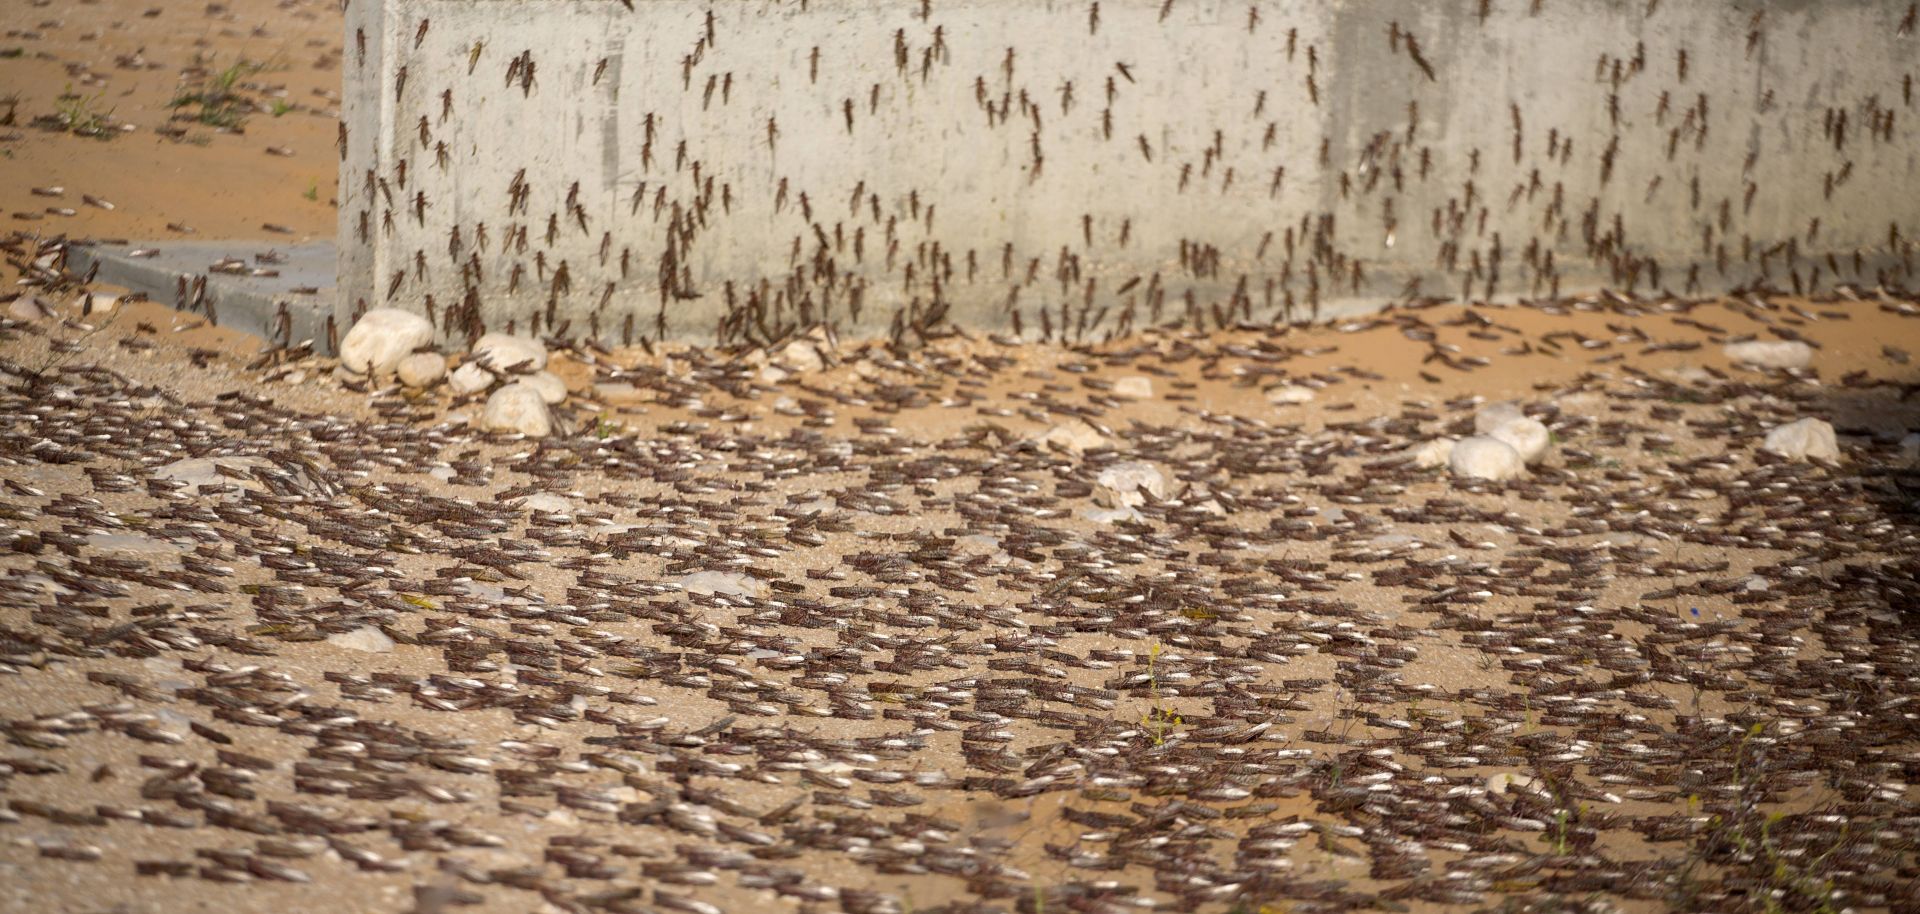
(1504, 443)
(391, 343)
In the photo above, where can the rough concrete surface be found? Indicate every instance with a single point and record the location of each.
(732, 171)
(280, 293)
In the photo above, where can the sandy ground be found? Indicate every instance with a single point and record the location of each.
(172, 174)
(385, 661)
(1663, 669)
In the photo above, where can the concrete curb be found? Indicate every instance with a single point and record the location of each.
(295, 303)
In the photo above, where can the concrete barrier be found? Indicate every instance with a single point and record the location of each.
(735, 170)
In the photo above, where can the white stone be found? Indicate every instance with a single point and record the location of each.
(1584, 403)
(1910, 448)
(132, 544)
(93, 303)
(544, 502)
(1435, 453)
(1111, 515)
(1528, 436)
(1134, 387)
(1689, 374)
(1804, 439)
(365, 638)
(1481, 457)
(506, 353)
(725, 583)
(422, 369)
(801, 356)
(517, 408)
(551, 388)
(976, 544)
(1120, 484)
(1494, 415)
(45, 585)
(381, 338)
(489, 593)
(614, 391)
(1771, 353)
(1074, 436)
(199, 472)
(1290, 395)
(26, 308)
(469, 379)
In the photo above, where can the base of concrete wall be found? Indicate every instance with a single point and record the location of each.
(298, 304)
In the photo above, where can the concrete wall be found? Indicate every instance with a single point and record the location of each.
(734, 169)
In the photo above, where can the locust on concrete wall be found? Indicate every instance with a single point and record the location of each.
(739, 171)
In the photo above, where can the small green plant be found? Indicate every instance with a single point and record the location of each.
(79, 115)
(313, 191)
(1800, 880)
(1153, 677)
(218, 98)
(1158, 721)
(1741, 835)
(604, 427)
(279, 107)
